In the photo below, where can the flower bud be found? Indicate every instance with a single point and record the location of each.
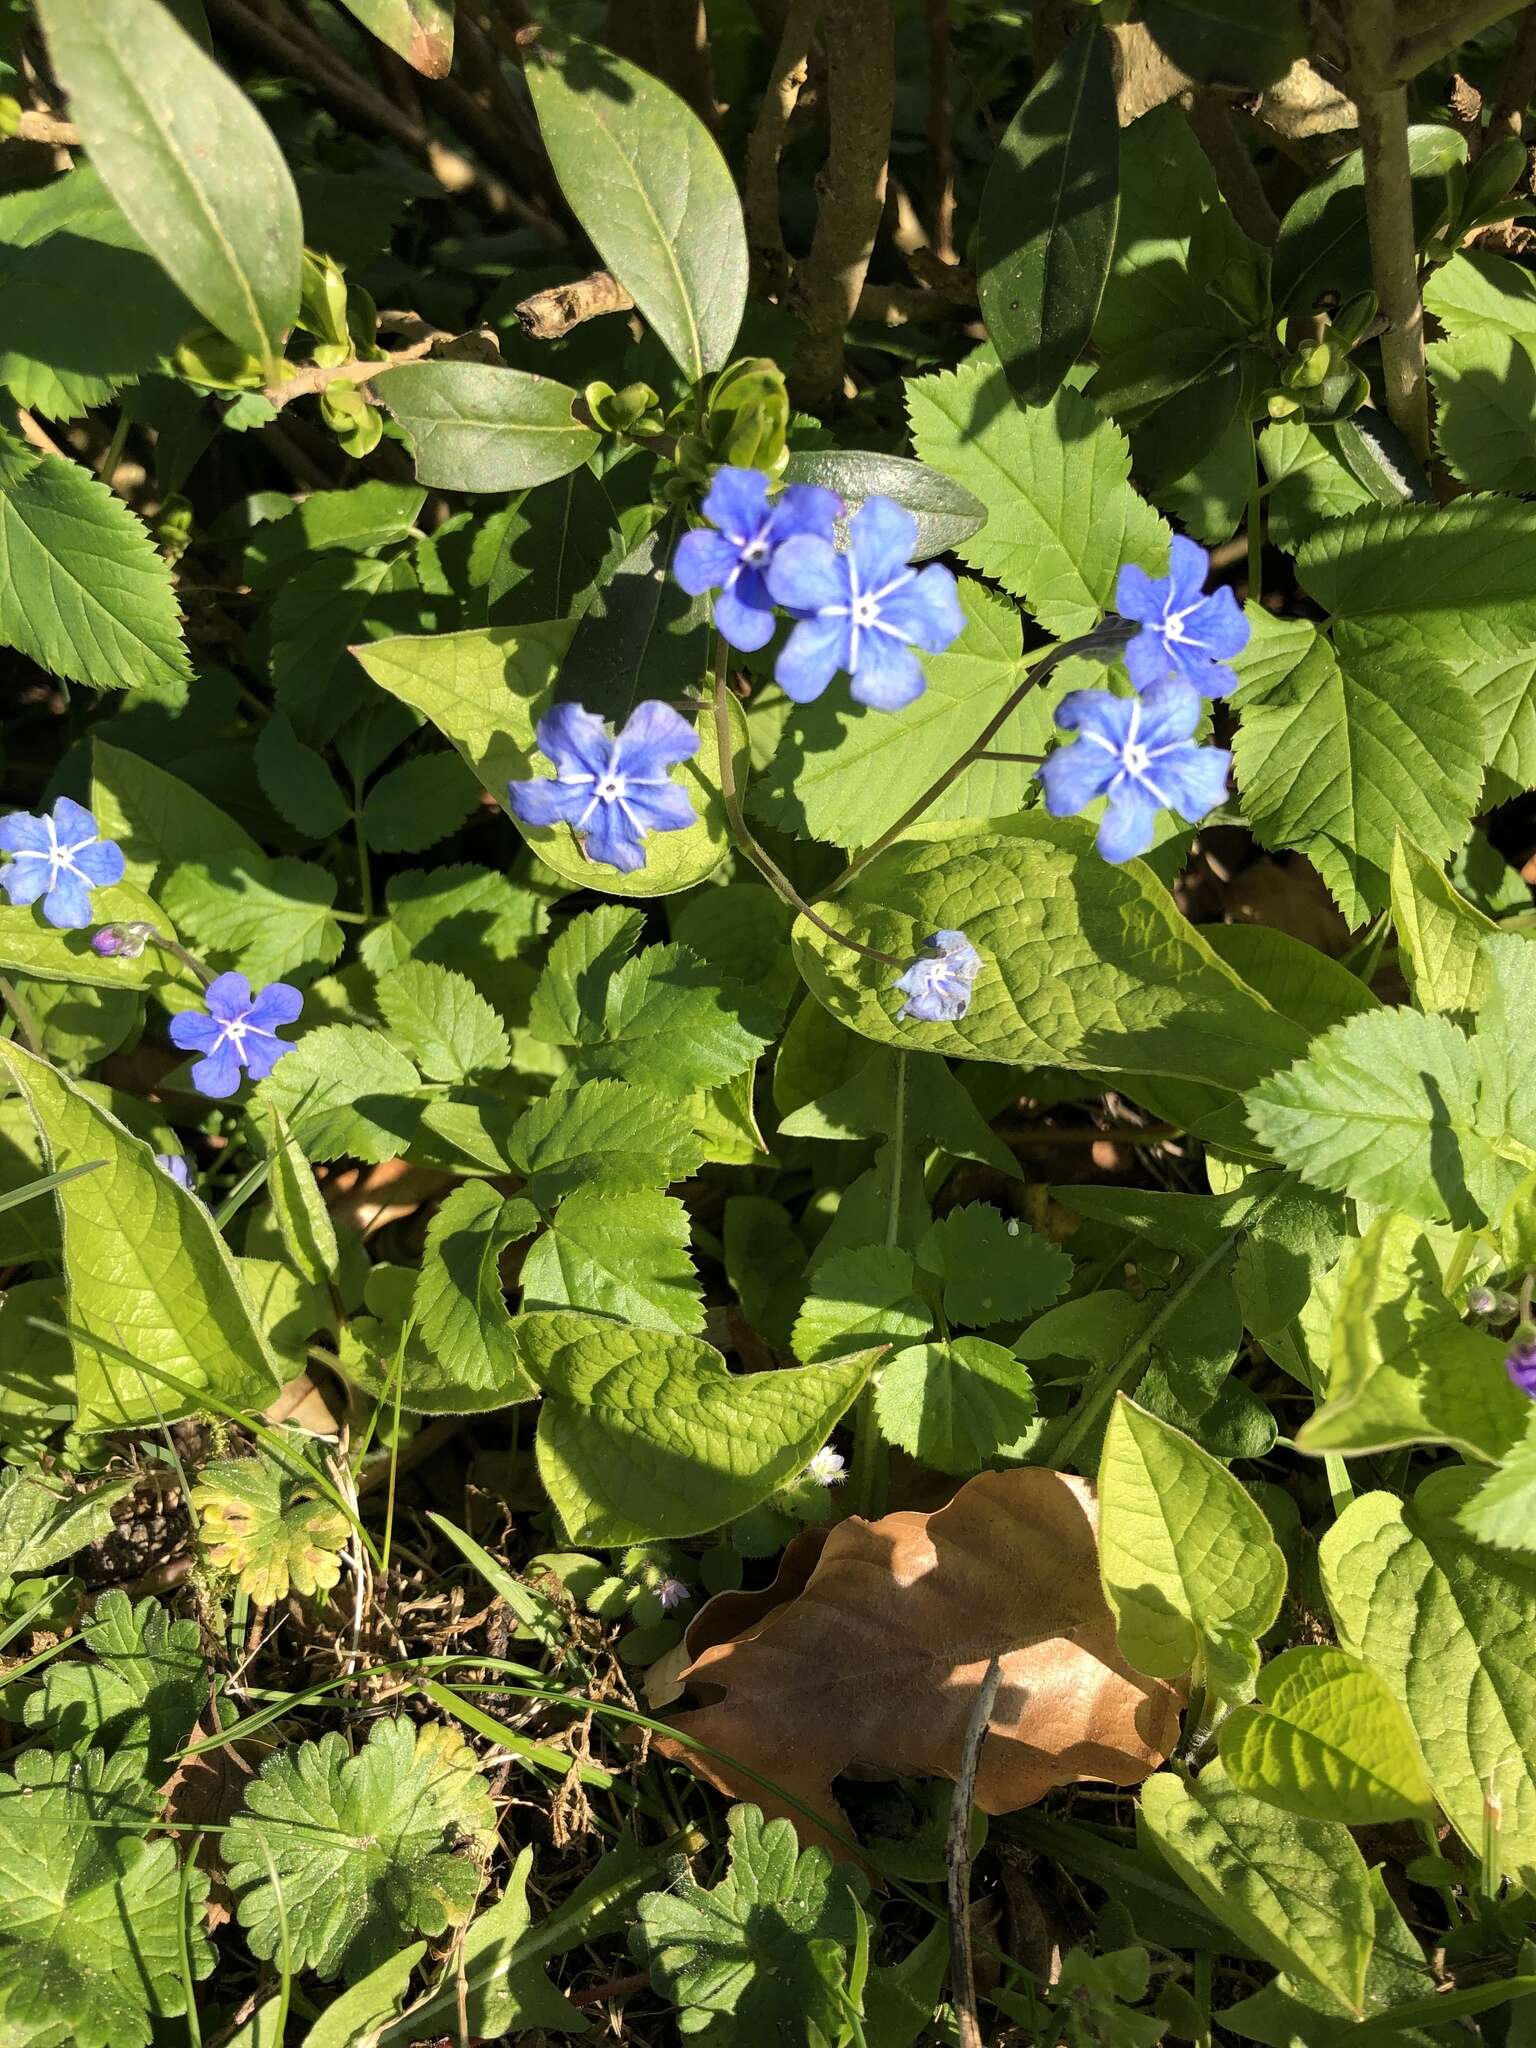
(121, 941)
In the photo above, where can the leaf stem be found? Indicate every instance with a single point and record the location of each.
(1255, 524)
(26, 1023)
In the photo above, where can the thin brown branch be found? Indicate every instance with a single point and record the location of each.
(1415, 53)
(35, 127)
(1240, 184)
(941, 165)
(547, 315)
(680, 52)
(791, 67)
(860, 41)
(957, 1859)
(306, 382)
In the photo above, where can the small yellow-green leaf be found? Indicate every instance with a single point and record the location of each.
(1439, 934)
(1327, 1741)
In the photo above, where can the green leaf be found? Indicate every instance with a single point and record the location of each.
(1341, 746)
(297, 782)
(82, 591)
(92, 1917)
(267, 1524)
(644, 1435)
(1046, 229)
(1405, 1369)
(1326, 1741)
(741, 929)
(166, 1291)
(643, 176)
(1402, 1110)
(320, 611)
(1185, 1553)
(464, 1355)
(1061, 514)
(1309, 480)
(41, 1526)
(42, 953)
(345, 1090)
(992, 1268)
(140, 1693)
(443, 1021)
(860, 1297)
(159, 821)
(1503, 1509)
(65, 251)
(1294, 1891)
(1485, 408)
(298, 1209)
(1446, 1622)
(620, 1255)
(479, 427)
(1083, 964)
(669, 1020)
(1439, 934)
(639, 635)
(946, 512)
(355, 2018)
(418, 803)
(740, 1962)
(363, 517)
(420, 31)
(956, 1405)
(608, 1134)
(188, 159)
(367, 1849)
(1324, 245)
(1223, 42)
(268, 918)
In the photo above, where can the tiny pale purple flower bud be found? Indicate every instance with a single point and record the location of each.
(1482, 1301)
(121, 941)
(827, 1468)
(672, 1593)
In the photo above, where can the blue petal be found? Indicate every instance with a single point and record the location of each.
(228, 997)
(1218, 625)
(804, 508)
(811, 656)
(278, 1003)
(67, 906)
(808, 574)
(737, 502)
(1189, 665)
(547, 801)
(889, 675)
(1188, 567)
(661, 806)
(1100, 712)
(101, 863)
(703, 560)
(745, 625)
(613, 840)
(1195, 779)
(22, 834)
(193, 1030)
(73, 822)
(262, 1053)
(1137, 596)
(1149, 658)
(219, 1074)
(926, 610)
(655, 739)
(1073, 776)
(1170, 711)
(1128, 822)
(577, 741)
(957, 949)
(25, 878)
(881, 537)
(176, 1167)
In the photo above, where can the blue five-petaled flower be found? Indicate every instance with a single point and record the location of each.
(938, 984)
(612, 790)
(749, 526)
(61, 857)
(1183, 633)
(865, 610)
(1138, 752)
(238, 1030)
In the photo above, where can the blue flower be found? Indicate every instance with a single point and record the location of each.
(672, 1593)
(1138, 752)
(239, 1030)
(1183, 633)
(612, 790)
(1520, 1363)
(60, 857)
(732, 560)
(863, 611)
(177, 1167)
(937, 985)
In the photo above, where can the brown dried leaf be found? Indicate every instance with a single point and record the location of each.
(876, 1663)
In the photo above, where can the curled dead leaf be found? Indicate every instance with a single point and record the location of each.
(874, 1665)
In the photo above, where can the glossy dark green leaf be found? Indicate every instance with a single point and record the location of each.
(420, 31)
(1229, 42)
(1046, 232)
(188, 159)
(946, 512)
(643, 176)
(1324, 245)
(478, 427)
(641, 636)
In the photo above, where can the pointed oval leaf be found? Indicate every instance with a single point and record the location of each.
(946, 512)
(420, 31)
(479, 427)
(1326, 1741)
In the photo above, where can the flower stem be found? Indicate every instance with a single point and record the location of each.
(174, 946)
(771, 872)
(1255, 525)
(1113, 632)
(26, 1023)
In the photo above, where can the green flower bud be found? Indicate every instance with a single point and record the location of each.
(1351, 321)
(356, 424)
(323, 300)
(212, 362)
(746, 419)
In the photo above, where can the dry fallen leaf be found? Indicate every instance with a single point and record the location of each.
(875, 1664)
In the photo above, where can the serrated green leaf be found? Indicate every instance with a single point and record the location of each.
(1326, 1741)
(464, 1353)
(321, 610)
(166, 1291)
(1309, 480)
(480, 427)
(268, 1525)
(82, 591)
(418, 803)
(1485, 408)
(1295, 1891)
(1185, 1553)
(668, 1019)
(140, 1692)
(345, 1089)
(39, 951)
(957, 1405)
(189, 160)
(158, 820)
(267, 918)
(644, 1435)
(1439, 934)
(298, 1208)
(368, 1849)
(467, 918)
(583, 958)
(297, 782)
(42, 1524)
(1061, 514)
(611, 1134)
(443, 1021)
(645, 179)
(991, 1267)
(741, 930)
(859, 1297)
(1446, 1622)
(623, 1255)
(1502, 1512)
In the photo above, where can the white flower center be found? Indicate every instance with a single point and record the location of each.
(610, 789)
(756, 552)
(1137, 758)
(865, 611)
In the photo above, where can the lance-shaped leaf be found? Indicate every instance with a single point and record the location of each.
(149, 1283)
(1046, 230)
(479, 427)
(878, 1659)
(946, 512)
(188, 159)
(644, 1434)
(420, 31)
(644, 178)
